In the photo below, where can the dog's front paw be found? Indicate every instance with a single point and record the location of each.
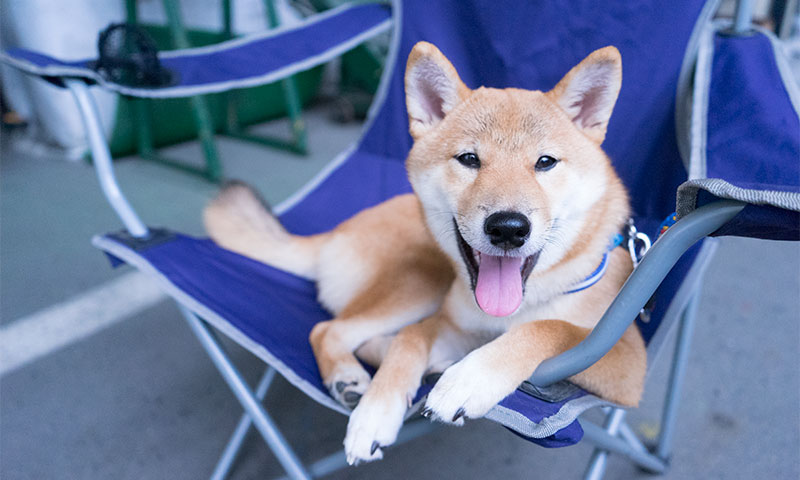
(374, 424)
(468, 389)
(348, 383)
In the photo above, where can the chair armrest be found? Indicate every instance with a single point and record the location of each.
(636, 291)
(243, 62)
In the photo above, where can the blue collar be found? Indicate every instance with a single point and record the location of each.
(598, 273)
(631, 236)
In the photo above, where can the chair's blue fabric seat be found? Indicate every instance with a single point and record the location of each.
(243, 62)
(752, 140)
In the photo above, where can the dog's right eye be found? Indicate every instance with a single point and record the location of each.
(469, 159)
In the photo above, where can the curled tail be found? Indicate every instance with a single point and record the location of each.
(239, 220)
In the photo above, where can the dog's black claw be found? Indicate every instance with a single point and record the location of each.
(374, 447)
(352, 398)
(340, 386)
(459, 414)
(426, 412)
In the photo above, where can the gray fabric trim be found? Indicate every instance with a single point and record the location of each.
(132, 258)
(173, 92)
(683, 95)
(550, 425)
(699, 113)
(687, 195)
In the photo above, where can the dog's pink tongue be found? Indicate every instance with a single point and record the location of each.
(499, 286)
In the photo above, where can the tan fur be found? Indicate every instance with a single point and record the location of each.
(397, 268)
(238, 220)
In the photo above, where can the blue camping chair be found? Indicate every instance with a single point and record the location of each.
(734, 122)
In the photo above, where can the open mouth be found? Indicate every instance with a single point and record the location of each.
(498, 282)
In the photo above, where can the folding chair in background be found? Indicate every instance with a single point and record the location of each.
(734, 118)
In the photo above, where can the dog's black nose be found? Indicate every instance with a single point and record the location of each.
(507, 230)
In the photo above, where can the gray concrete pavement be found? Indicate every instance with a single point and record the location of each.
(141, 400)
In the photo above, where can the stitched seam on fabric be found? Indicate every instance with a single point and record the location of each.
(702, 84)
(549, 425)
(687, 195)
(683, 94)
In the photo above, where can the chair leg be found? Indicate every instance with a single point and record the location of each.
(597, 465)
(235, 443)
(680, 359)
(627, 434)
(617, 436)
(275, 440)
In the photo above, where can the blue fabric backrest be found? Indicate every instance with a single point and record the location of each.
(753, 140)
(532, 44)
(737, 149)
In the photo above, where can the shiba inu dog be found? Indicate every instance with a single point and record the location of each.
(514, 203)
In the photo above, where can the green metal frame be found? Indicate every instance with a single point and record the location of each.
(143, 122)
(298, 143)
(212, 170)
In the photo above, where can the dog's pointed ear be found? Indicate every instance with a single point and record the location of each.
(433, 88)
(589, 91)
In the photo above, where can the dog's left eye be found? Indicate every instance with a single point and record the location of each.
(469, 159)
(545, 163)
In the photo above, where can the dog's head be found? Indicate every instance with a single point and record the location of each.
(508, 178)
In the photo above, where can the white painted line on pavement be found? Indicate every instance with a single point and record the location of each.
(39, 334)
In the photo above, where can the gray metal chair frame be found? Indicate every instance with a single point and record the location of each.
(614, 435)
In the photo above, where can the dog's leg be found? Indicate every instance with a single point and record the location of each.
(471, 387)
(377, 419)
(335, 341)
